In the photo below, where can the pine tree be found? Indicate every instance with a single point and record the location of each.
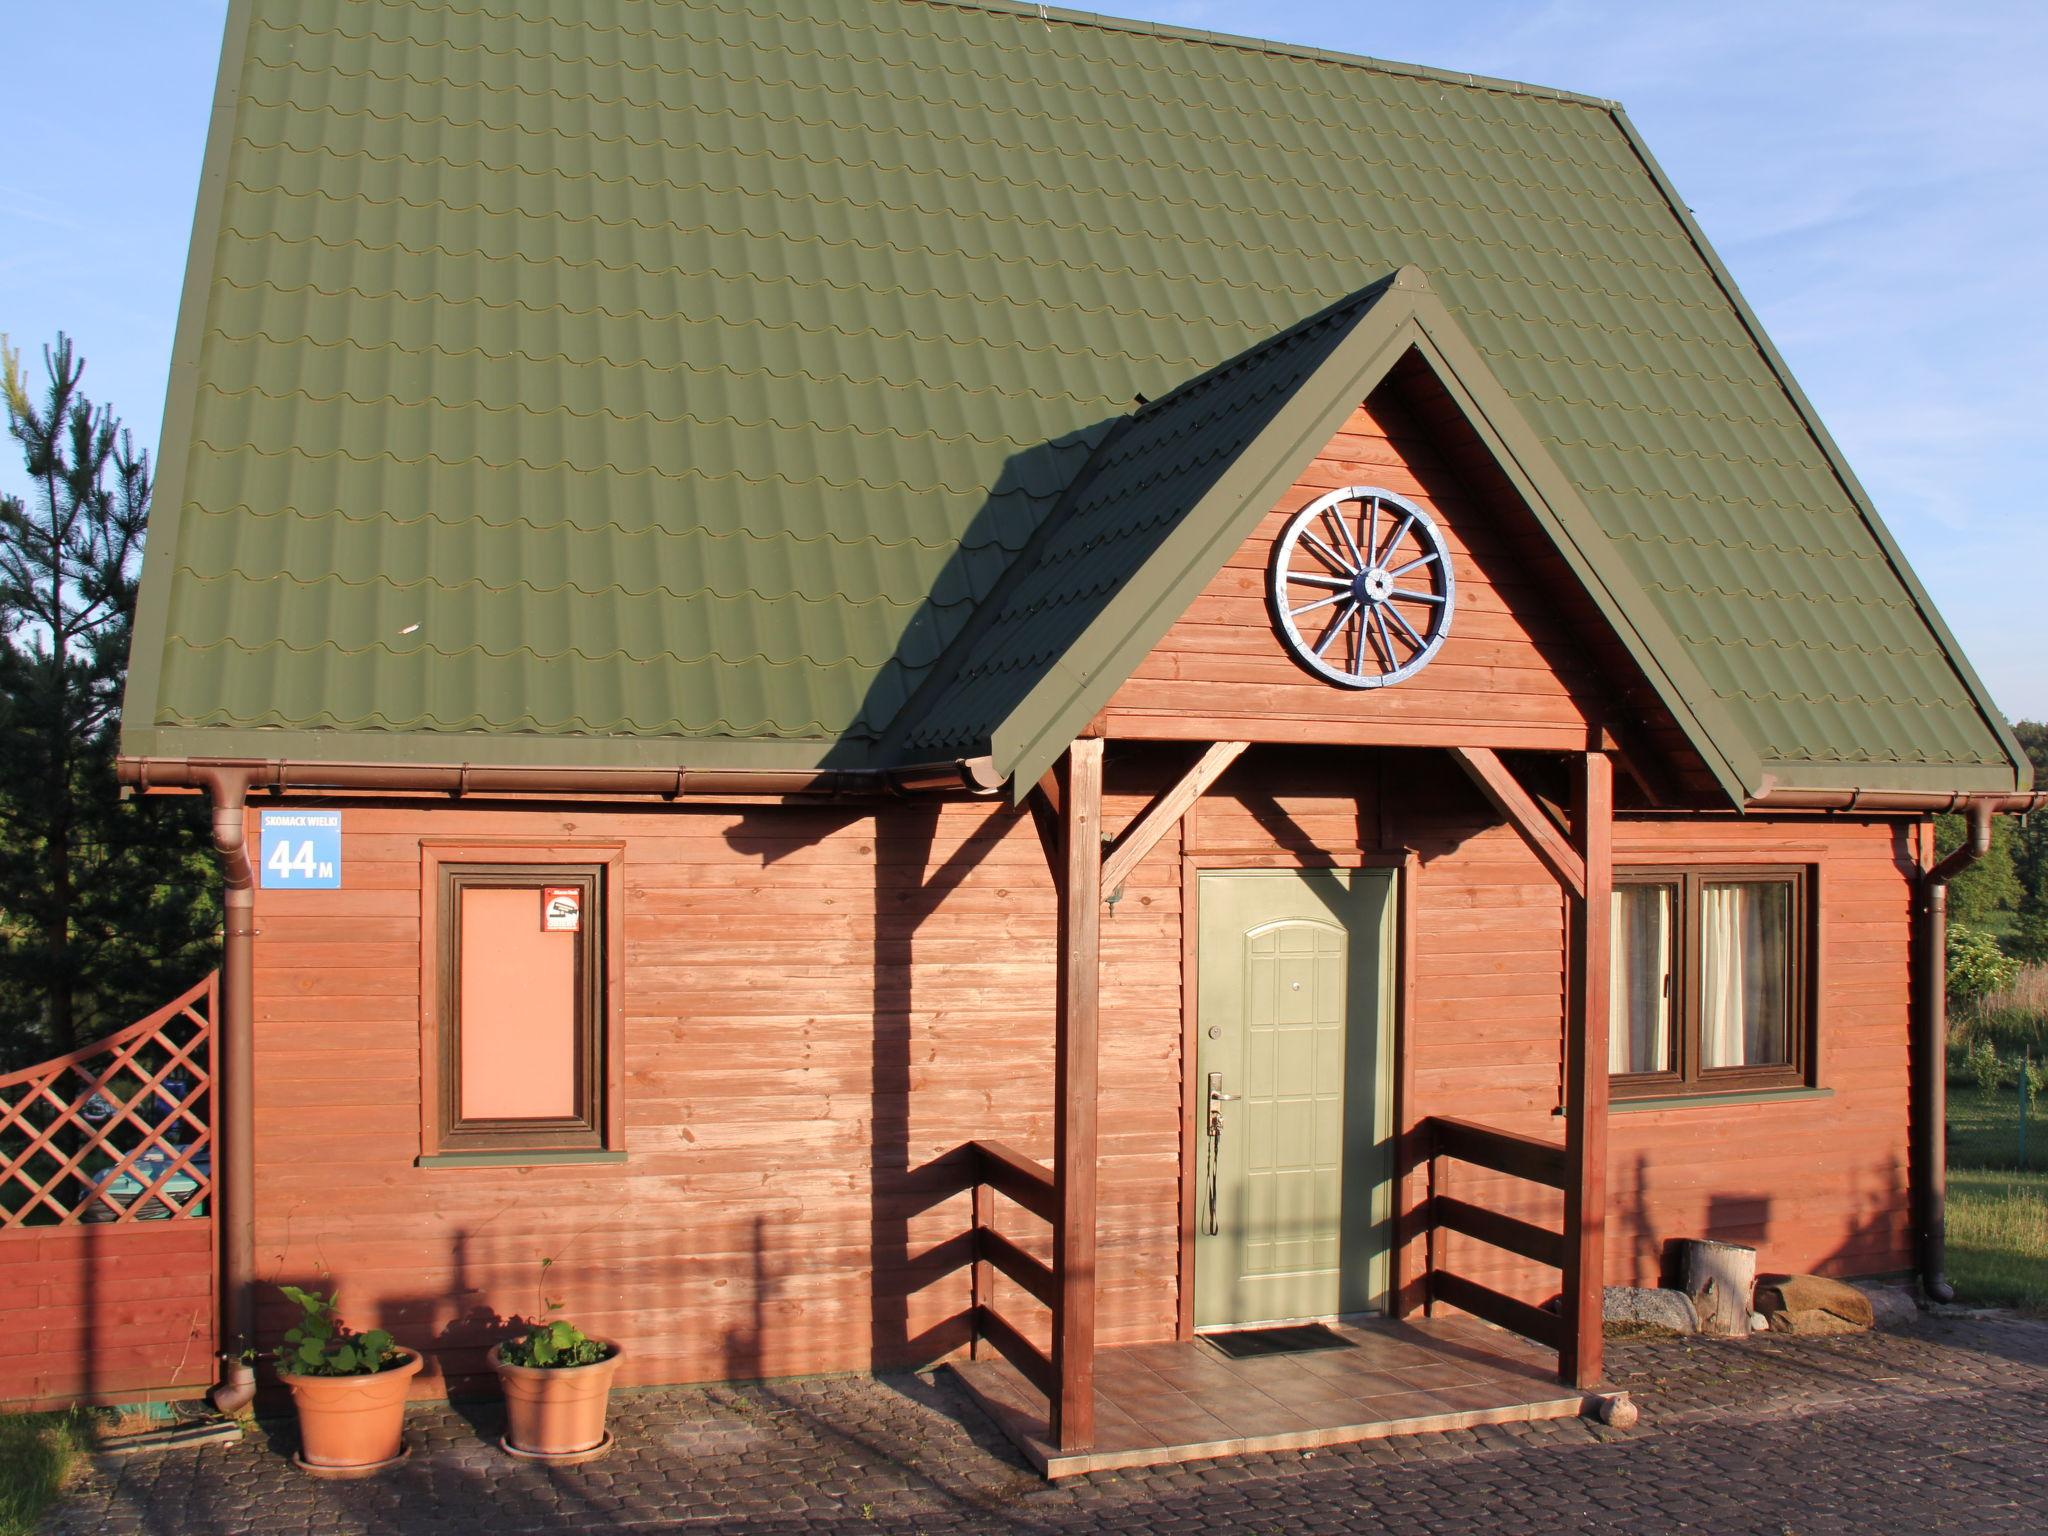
(106, 906)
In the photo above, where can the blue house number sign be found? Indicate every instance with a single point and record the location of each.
(302, 850)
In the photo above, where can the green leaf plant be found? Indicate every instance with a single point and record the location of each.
(551, 1341)
(320, 1345)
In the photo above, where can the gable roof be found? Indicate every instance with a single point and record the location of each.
(670, 382)
(1169, 496)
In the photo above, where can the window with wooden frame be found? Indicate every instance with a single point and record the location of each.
(519, 959)
(1711, 981)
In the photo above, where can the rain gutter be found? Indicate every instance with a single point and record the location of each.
(970, 775)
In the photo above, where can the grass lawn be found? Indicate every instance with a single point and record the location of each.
(37, 1453)
(1997, 1214)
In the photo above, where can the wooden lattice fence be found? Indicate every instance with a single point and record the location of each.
(106, 1214)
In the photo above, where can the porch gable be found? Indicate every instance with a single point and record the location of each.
(1180, 486)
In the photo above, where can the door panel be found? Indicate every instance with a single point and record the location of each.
(1295, 971)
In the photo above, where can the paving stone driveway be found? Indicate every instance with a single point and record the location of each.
(1941, 1427)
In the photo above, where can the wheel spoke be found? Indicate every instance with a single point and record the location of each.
(1336, 560)
(1381, 557)
(1321, 602)
(1332, 583)
(1369, 522)
(1336, 626)
(1386, 640)
(1406, 628)
(1428, 559)
(1417, 597)
(1331, 515)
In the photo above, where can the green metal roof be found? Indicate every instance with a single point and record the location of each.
(670, 382)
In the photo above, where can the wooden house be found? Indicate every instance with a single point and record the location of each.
(897, 675)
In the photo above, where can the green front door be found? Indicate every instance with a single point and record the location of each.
(1294, 1090)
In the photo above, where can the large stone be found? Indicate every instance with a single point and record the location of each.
(1893, 1305)
(1669, 1310)
(1814, 1293)
(1811, 1322)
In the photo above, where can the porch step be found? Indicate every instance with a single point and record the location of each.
(1157, 1404)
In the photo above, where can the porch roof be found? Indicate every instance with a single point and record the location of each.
(675, 385)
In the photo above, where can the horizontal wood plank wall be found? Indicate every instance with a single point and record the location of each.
(1816, 1184)
(1510, 674)
(102, 1313)
(820, 1007)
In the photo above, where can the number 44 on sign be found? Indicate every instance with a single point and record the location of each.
(302, 850)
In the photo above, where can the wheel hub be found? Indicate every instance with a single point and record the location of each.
(1372, 586)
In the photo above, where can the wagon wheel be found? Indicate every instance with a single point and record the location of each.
(1362, 587)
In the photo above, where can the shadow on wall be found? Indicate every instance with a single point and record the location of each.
(1873, 1236)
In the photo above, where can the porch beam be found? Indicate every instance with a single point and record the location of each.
(1165, 812)
(1044, 804)
(1079, 875)
(1520, 810)
(1585, 1076)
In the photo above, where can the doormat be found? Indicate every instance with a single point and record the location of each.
(1295, 1339)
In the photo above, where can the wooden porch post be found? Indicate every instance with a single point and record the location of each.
(1585, 1084)
(1074, 1095)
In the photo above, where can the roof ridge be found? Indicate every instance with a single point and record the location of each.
(1247, 44)
(1259, 351)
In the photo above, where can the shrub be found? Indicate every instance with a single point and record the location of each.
(1976, 965)
(1989, 1070)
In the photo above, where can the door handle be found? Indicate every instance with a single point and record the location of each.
(1216, 1093)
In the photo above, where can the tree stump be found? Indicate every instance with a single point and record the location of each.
(1719, 1278)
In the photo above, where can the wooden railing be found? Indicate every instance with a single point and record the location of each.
(999, 1170)
(1522, 1157)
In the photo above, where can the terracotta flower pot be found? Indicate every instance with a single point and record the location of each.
(352, 1423)
(556, 1410)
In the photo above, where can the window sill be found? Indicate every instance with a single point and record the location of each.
(1718, 1100)
(515, 1159)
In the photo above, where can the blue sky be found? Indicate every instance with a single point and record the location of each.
(1875, 174)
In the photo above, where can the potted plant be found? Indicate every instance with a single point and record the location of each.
(557, 1382)
(349, 1389)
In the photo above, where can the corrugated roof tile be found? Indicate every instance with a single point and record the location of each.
(746, 343)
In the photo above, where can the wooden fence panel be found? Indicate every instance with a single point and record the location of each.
(107, 1241)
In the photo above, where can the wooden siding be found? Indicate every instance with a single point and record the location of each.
(821, 1005)
(1511, 673)
(95, 1312)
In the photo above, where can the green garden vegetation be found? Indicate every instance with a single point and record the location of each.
(38, 1453)
(1998, 1050)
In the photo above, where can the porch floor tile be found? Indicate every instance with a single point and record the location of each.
(1161, 1403)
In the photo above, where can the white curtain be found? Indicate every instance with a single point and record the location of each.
(1639, 999)
(1744, 985)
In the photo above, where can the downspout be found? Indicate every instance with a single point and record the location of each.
(1931, 1174)
(234, 1153)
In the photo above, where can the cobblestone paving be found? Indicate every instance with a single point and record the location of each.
(1940, 1427)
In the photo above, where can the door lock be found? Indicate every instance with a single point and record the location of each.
(1217, 1099)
